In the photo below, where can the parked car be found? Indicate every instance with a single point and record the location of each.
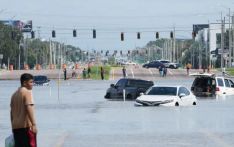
(41, 80)
(210, 85)
(166, 96)
(132, 87)
(130, 63)
(169, 64)
(153, 64)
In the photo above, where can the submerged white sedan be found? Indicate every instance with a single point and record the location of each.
(166, 96)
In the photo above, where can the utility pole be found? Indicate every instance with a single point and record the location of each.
(222, 41)
(50, 53)
(199, 54)
(208, 45)
(174, 45)
(230, 39)
(19, 58)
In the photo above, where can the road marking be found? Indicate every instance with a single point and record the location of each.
(150, 72)
(132, 73)
(215, 138)
(170, 72)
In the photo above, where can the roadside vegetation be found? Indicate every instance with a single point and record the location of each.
(96, 72)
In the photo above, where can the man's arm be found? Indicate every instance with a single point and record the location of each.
(30, 110)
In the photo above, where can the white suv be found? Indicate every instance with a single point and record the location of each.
(210, 85)
(169, 64)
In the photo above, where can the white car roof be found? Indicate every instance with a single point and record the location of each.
(202, 74)
(176, 86)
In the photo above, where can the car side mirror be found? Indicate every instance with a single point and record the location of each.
(141, 93)
(182, 95)
(112, 85)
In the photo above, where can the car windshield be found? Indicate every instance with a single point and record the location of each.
(40, 78)
(162, 91)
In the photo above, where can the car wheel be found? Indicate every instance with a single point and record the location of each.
(176, 104)
(171, 66)
(194, 103)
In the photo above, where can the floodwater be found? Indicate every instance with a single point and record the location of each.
(81, 117)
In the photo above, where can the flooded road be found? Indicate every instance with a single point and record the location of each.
(80, 116)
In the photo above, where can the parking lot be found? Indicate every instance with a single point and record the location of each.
(80, 116)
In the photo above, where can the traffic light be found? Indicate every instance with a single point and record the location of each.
(138, 35)
(146, 51)
(53, 34)
(122, 36)
(107, 53)
(194, 35)
(171, 34)
(128, 52)
(32, 34)
(121, 53)
(74, 33)
(94, 34)
(157, 35)
(13, 35)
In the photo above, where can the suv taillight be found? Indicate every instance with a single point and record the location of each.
(217, 88)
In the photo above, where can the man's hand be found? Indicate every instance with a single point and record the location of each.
(34, 129)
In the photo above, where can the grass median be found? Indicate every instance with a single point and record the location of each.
(230, 71)
(96, 72)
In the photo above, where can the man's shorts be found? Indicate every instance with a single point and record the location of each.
(24, 137)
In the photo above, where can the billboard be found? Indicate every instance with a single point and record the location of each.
(198, 27)
(25, 26)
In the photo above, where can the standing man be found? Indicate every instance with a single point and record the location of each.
(124, 72)
(102, 73)
(89, 71)
(165, 72)
(22, 114)
(84, 73)
(65, 73)
(188, 66)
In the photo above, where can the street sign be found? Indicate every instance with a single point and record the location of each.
(1, 56)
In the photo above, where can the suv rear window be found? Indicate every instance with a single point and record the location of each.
(220, 82)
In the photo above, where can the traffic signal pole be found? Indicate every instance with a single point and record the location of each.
(174, 46)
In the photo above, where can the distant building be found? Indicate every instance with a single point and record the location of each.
(210, 37)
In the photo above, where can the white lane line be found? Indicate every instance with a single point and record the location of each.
(216, 138)
(150, 72)
(132, 73)
(170, 72)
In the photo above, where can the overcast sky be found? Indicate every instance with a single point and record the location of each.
(110, 18)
